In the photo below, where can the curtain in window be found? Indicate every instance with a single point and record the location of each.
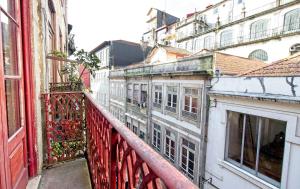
(258, 55)
(226, 38)
(258, 29)
(292, 20)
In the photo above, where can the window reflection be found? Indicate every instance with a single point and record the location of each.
(9, 45)
(12, 106)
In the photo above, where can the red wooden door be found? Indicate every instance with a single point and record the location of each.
(13, 130)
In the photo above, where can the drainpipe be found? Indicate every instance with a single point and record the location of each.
(203, 136)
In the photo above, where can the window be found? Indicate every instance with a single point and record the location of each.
(136, 89)
(216, 10)
(188, 158)
(226, 38)
(142, 135)
(170, 146)
(240, 1)
(292, 20)
(259, 55)
(129, 93)
(128, 123)
(157, 96)
(208, 42)
(135, 127)
(190, 107)
(143, 96)
(256, 144)
(172, 99)
(156, 137)
(259, 29)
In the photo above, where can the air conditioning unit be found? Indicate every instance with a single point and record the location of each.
(295, 48)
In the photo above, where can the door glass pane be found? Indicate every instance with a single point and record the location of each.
(8, 6)
(12, 95)
(9, 45)
(235, 135)
(271, 148)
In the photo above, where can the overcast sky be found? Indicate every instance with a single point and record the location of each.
(95, 21)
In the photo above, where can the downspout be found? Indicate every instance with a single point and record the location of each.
(204, 128)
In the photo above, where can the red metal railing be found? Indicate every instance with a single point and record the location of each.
(119, 159)
(64, 125)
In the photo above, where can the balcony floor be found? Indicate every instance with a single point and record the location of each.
(70, 175)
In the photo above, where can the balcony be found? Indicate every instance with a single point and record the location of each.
(194, 64)
(274, 33)
(76, 129)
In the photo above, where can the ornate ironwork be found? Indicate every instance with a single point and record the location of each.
(64, 126)
(119, 159)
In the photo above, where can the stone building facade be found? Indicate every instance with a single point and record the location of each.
(241, 27)
(253, 132)
(165, 102)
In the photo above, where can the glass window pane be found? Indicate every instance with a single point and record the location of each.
(8, 6)
(271, 148)
(174, 100)
(187, 103)
(250, 142)
(9, 44)
(12, 106)
(235, 124)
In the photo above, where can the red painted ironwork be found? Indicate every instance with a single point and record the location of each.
(64, 121)
(119, 159)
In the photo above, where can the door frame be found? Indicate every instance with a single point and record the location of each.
(29, 92)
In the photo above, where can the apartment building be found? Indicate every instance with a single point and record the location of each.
(30, 30)
(113, 54)
(253, 132)
(247, 28)
(164, 101)
(161, 28)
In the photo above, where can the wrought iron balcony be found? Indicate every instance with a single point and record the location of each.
(117, 158)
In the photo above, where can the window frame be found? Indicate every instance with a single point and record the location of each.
(190, 113)
(156, 143)
(157, 102)
(172, 138)
(226, 38)
(290, 138)
(174, 105)
(189, 150)
(259, 54)
(257, 30)
(288, 15)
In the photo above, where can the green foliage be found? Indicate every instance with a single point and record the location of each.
(88, 61)
(58, 54)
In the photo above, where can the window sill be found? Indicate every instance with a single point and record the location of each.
(245, 175)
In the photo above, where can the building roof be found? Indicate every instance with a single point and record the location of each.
(286, 67)
(175, 50)
(106, 43)
(230, 64)
(235, 65)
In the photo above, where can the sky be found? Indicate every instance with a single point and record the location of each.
(95, 21)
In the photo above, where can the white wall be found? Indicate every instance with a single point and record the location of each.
(224, 174)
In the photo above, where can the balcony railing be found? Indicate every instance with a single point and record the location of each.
(117, 157)
(287, 30)
(202, 63)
